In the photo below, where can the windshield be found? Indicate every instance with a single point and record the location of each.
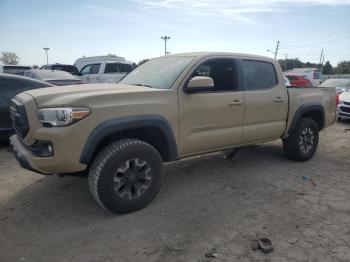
(158, 73)
(336, 83)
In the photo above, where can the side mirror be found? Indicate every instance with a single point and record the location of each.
(198, 84)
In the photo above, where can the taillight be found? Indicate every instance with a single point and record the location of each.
(337, 99)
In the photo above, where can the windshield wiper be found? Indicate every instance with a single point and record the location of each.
(142, 85)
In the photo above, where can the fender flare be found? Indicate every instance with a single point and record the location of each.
(114, 125)
(304, 109)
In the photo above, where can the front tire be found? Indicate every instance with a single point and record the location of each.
(302, 143)
(126, 175)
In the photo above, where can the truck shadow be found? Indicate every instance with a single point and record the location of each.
(55, 199)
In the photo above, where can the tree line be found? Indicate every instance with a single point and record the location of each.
(343, 67)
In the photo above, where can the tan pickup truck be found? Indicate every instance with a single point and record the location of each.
(168, 108)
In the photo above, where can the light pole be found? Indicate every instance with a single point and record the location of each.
(268, 50)
(165, 38)
(47, 56)
(276, 51)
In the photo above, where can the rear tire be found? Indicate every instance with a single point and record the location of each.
(302, 143)
(126, 175)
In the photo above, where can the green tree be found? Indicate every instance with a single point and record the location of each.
(142, 61)
(343, 67)
(9, 58)
(327, 68)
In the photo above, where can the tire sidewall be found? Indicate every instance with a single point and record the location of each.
(307, 123)
(116, 158)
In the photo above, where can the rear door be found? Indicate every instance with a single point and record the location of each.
(266, 101)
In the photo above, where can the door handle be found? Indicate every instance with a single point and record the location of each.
(278, 100)
(235, 102)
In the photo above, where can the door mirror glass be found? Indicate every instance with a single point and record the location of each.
(199, 83)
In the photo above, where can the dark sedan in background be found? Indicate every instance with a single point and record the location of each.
(10, 86)
(55, 77)
(68, 68)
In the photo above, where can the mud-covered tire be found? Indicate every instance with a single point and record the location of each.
(302, 143)
(113, 166)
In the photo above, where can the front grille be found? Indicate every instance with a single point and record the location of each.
(19, 118)
(346, 103)
(345, 109)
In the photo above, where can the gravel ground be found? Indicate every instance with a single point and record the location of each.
(206, 202)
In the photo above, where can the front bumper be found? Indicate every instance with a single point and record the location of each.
(21, 154)
(67, 143)
(343, 111)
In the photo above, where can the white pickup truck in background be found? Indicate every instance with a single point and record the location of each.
(105, 71)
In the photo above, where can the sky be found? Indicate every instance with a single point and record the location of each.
(133, 28)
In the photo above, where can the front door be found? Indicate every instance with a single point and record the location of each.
(84, 73)
(212, 119)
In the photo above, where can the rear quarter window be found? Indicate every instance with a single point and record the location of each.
(258, 75)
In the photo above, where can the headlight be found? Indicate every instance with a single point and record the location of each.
(62, 116)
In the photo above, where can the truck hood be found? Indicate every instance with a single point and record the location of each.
(73, 95)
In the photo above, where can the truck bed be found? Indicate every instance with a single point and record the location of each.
(299, 97)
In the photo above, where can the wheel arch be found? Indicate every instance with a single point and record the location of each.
(153, 129)
(311, 110)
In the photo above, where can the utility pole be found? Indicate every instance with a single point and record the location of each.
(47, 56)
(321, 57)
(286, 57)
(322, 63)
(165, 38)
(19, 60)
(277, 46)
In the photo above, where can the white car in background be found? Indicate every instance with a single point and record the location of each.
(105, 71)
(341, 84)
(343, 108)
(312, 74)
(83, 61)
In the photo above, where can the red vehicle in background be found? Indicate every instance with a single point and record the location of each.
(297, 80)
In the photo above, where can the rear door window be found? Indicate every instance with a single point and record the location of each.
(258, 75)
(117, 68)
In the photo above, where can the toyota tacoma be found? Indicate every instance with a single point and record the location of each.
(169, 108)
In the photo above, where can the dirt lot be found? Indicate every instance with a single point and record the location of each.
(206, 202)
